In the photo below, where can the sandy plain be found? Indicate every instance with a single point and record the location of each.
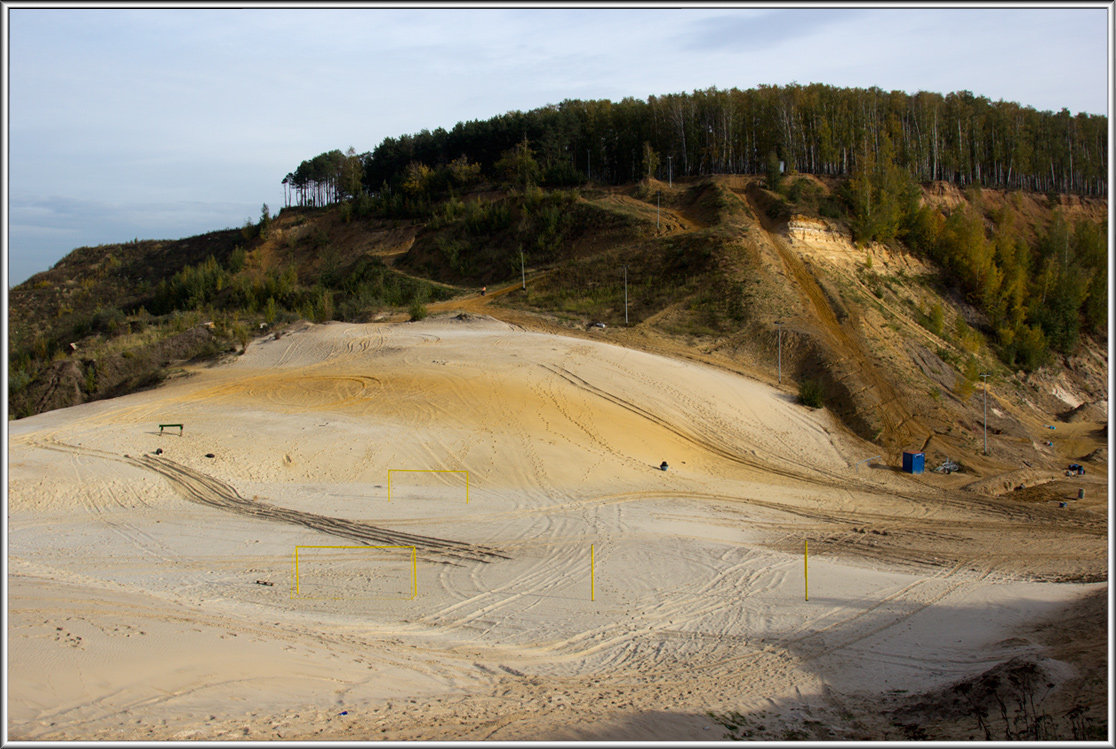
(573, 591)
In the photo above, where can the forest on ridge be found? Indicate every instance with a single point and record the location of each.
(1038, 292)
(815, 129)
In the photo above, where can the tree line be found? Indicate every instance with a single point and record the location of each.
(817, 129)
(327, 178)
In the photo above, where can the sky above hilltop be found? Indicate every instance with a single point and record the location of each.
(165, 122)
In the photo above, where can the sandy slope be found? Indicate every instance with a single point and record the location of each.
(579, 592)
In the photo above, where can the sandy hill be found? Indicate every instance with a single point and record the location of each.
(306, 561)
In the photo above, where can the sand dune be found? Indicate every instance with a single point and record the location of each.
(572, 590)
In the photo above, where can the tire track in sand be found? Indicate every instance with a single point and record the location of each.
(213, 492)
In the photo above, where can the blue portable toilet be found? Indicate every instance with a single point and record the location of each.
(913, 462)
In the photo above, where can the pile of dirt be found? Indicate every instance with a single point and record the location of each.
(1100, 455)
(995, 486)
(1094, 413)
(1004, 702)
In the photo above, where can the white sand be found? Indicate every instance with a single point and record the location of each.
(134, 612)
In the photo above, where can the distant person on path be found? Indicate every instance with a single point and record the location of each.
(483, 290)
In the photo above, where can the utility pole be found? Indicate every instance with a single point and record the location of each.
(522, 270)
(670, 171)
(779, 326)
(625, 295)
(588, 165)
(985, 378)
(658, 196)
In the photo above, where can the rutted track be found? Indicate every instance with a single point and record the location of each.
(709, 442)
(207, 490)
(215, 493)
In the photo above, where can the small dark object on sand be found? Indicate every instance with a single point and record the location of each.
(663, 467)
(210, 455)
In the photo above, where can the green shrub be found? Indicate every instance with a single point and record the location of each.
(810, 394)
(455, 252)
(271, 310)
(563, 174)
(832, 207)
(107, 321)
(484, 219)
(1032, 349)
(418, 311)
(19, 378)
(937, 320)
(364, 205)
(237, 259)
(805, 192)
(323, 305)
(90, 385)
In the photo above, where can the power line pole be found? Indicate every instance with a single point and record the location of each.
(658, 196)
(985, 378)
(670, 171)
(625, 295)
(522, 270)
(779, 326)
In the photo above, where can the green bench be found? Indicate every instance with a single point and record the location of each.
(170, 426)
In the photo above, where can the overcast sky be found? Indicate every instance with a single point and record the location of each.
(168, 122)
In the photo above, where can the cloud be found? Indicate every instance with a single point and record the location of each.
(752, 31)
(62, 212)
